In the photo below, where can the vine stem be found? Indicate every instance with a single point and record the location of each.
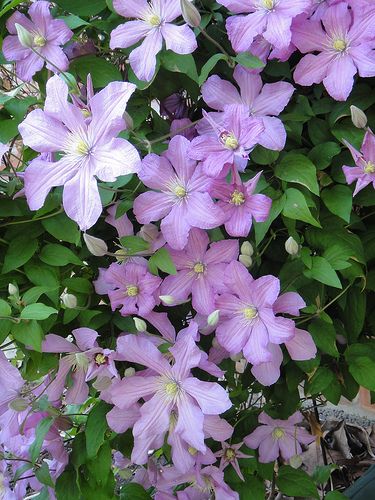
(217, 44)
(33, 220)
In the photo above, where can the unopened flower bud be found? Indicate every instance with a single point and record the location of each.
(213, 318)
(169, 300)
(12, 289)
(121, 255)
(190, 13)
(129, 372)
(95, 246)
(19, 404)
(291, 246)
(69, 300)
(215, 343)
(359, 118)
(247, 248)
(240, 365)
(25, 38)
(246, 260)
(128, 121)
(140, 325)
(102, 383)
(236, 357)
(295, 461)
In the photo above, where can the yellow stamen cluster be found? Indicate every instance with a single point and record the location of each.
(250, 312)
(339, 45)
(180, 191)
(369, 168)
(278, 433)
(237, 198)
(154, 20)
(132, 291)
(100, 359)
(82, 148)
(39, 41)
(268, 4)
(171, 388)
(199, 268)
(86, 113)
(229, 141)
(230, 454)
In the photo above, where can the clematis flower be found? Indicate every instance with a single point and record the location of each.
(270, 18)
(278, 437)
(233, 135)
(247, 316)
(364, 171)
(88, 150)
(198, 270)
(264, 102)
(168, 390)
(132, 287)
(182, 200)
(46, 35)
(85, 361)
(345, 47)
(241, 205)
(154, 24)
(229, 455)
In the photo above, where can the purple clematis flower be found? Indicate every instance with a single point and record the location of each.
(247, 315)
(241, 205)
(183, 201)
(364, 171)
(278, 437)
(270, 18)
(89, 150)
(233, 135)
(47, 35)
(199, 270)
(264, 102)
(153, 23)
(229, 455)
(170, 392)
(345, 47)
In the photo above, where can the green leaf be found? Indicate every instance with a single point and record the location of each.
(335, 495)
(209, 66)
(295, 482)
(30, 334)
(296, 207)
(40, 433)
(324, 336)
(322, 271)
(361, 362)
(322, 473)
(58, 255)
(102, 71)
(163, 261)
(62, 228)
(134, 491)
(261, 228)
(134, 244)
(264, 156)
(338, 256)
(43, 475)
(20, 250)
(96, 428)
(32, 294)
(249, 61)
(298, 168)
(8, 130)
(82, 8)
(339, 200)
(322, 154)
(178, 63)
(354, 312)
(321, 379)
(66, 486)
(5, 309)
(37, 311)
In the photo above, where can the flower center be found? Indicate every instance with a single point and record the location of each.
(230, 454)
(369, 168)
(192, 451)
(229, 140)
(100, 359)
(86, 113)
(237, 198)
(199, 268)
(268, 4)
(39, 41)
(250, 312)
(154, 20)
(132, 290)
(180, 191)
(171, 388)
(82, 148)
(278, 433)
(339, 45)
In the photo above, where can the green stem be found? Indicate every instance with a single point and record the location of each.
(33, 220)
(217, 44)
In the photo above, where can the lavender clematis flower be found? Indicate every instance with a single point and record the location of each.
(278, 437)
(229, 455)
(241, 205)
(47, 35)
(233, 135)
(89, 150)
(168, 390)
(182, 200)
(247, 315)
(270, 18)
(364, 171)
(345, 47)
(199, 270)
(264, 102)
(154, 24)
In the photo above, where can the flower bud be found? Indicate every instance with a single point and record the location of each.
(213, 318)
(128, 121)
(19, 404)
(69, 300)
(236, 357)
(291, 246)
(190, 13)
(295, 461)
(247, 248)
(240, 365)
(246, 260)
(140, 325)
(12, 289)
(25, 38)
(359, 118)
(215, 343)
(129, 372)
(102, 383)
(95, 246)
(169, 300)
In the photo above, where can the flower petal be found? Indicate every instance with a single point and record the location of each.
(43, 133)
(179, 39)
(211, 397)
(143, 58)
